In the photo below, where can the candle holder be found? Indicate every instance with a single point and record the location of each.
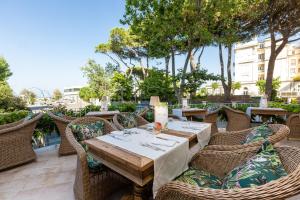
(161, 114)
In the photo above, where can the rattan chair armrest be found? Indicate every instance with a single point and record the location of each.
(5, 126)
(229, 138)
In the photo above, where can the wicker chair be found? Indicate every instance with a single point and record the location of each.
(293, 122)
(15, 142)
(89, 185)
(61, 122)
(212, 118)
(220, 163)
(236, 120)
(233, 140)
(140, 121)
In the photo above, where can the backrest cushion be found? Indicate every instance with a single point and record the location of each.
(87, 131)
(127, 120)
(262, 168)
(259, 133)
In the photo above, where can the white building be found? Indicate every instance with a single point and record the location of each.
(251, 63)
(71, 98)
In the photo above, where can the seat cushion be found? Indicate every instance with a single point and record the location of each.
(87, 131)
(128, 120)
(200, 178)
(259, 133)
(260, 169)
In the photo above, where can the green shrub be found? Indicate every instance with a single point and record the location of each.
(6, 118)
(123, 107)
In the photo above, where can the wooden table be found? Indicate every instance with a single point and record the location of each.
(108, 115)
(266, 113)
(137, 168)
(189, 113)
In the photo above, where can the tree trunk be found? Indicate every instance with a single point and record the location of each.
(199, 56)
(184, 72)
(174, 75)
(167, 59)
(193, 65)
(229, 83)
(271, 65)
(223, 81)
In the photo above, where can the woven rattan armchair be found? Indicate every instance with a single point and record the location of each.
(15, 142)
(140, 121)
(220, 163)
(61, 122)
(233, 140)
(236, 120)
(90, 185)
(293, 122)
(212, 118)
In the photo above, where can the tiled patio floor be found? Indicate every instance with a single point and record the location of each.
(50, 178)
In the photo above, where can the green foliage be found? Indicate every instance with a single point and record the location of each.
(5, 72)
(28, 96)
(214, 86)
(8, 102)
(122, 87)
(45, 126)
(261, 84)
(123, 107)
(98, 79)
(87, 93)
(157, 84)
(57, 95)
(194, 79)
(236, 86)
(293, 108)
(6, 118)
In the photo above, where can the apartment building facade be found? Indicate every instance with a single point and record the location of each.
(251, 65)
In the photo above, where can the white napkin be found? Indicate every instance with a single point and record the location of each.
(162, 142)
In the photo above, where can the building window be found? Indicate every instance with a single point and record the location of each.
(293, 62)
(293, 70)
(261, 67)
(261, 56)
(261, 45)
(245, 92)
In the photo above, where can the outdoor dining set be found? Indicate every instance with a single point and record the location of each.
(182, 159)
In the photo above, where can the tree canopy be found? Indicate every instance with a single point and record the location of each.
(5, 72)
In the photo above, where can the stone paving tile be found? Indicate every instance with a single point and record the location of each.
(51, 178)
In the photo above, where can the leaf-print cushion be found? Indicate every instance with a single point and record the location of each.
(260, 169)
(87, 131)
(127, 120)
(149, 116)
(200, 178)
(259, 133)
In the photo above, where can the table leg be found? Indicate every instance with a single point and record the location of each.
(138, 192)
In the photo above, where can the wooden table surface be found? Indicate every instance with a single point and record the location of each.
(268, 111)
(103, 114)
(190, 112)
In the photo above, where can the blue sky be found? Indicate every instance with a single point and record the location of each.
(46, 42)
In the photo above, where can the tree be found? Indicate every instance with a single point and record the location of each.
(261, 84)
(87, 93)
(157, 84)
(5, 91)
(195, 79)
(282, 21)
(28, 96)
(98, 79)
(236, 86)
(5, 72)
(232, 21)
(122, 87)
(214, 86)
(57, 95)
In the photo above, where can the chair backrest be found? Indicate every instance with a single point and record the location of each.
(140, 120)
(293, 122)
(82, 178)
(236, 120)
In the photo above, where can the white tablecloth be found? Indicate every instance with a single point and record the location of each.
(201, 129)
(168, 164)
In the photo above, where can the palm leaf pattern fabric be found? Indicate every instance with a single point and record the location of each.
(88, 131)
(200, 178)
(128, 120)
(259, 133)
(260, 169)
